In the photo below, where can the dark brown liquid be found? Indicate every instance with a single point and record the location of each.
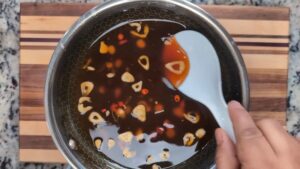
(165, 124)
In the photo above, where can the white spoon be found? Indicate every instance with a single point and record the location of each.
(203, 82)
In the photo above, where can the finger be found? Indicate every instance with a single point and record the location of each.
(226, 154)
(243, 125)
(275, 134)
(287, 132)
(251, 143)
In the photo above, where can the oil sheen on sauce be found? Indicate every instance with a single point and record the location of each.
(132, 116)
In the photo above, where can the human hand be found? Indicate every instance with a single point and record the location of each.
(260, 145)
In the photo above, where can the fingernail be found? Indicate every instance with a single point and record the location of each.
(234, 103)
(219, 136)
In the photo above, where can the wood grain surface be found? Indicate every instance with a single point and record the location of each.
(262, 35)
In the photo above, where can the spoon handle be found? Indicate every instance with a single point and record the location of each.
(221, 114)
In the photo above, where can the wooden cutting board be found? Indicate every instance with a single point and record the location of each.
(262, 35)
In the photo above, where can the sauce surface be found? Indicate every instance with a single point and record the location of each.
(132, 115)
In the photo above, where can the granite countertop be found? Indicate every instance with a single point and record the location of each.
(9, 72)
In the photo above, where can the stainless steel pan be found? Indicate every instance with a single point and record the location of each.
(68, 57)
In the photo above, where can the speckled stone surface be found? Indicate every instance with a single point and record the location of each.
(9, 73)
(9, 82)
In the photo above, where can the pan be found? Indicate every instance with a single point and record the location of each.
(69, 56)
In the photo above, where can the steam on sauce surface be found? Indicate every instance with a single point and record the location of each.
(130, 112)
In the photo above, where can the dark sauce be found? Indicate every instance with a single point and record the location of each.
(156, 139)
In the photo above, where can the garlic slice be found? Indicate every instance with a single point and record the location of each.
(90, 68)
(192, 118)
(98, 143)
(110, 75)
(128, 154)
(164, 155)
(200, 133)
(144, 62)
(86, 88)
(126, 137)
(84, 99)
(137, 87)
(168, 125)
(82, 109)
(111, 143)
(107, 113)
(96, 118)
(188, 139)
(127, 77)
(149, 159)
(176, 67)
(139, 112)
(137, 25)
(141, 35)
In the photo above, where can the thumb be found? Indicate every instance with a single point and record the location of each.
(226, 154)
